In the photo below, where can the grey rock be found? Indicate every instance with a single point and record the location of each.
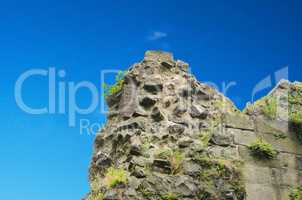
(162, 165)
(180, 110)
(158, 56)
(135, 149)
(111, 194)
(202, 95)
(153, 86)
(135, 123)
(191, 168)
(172, 110)
(147, 102)
(168, 64)
(103, 160)
(157, 114)
(185, 142)
(138, 172)
(222, 138)
(176, 129)
(198, 112)
(186, 91)
(128, 102)
(239, 121)
(139, 161)
(114, 98)
(182, 65)
(186, 186)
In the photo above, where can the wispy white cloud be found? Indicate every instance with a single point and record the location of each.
(157, 35)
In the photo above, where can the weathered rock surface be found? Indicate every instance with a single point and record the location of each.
(176, 138)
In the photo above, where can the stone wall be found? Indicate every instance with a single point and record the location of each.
(169, 136)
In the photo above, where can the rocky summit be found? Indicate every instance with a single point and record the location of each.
(169, 137)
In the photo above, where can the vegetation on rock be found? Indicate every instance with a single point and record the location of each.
(167, 151)
(269, 109)
(262, 149)
(228, 170)
(205, 136)
(279, 136)
(296, 118)
(169, 196)
(175, 158)
(295, 110)
(114, 177)
(295, 194)
(95, 195)
(117, 86)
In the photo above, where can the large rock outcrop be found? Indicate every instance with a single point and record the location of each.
(169, 136)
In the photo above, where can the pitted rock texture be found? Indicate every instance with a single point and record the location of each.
(177, 138)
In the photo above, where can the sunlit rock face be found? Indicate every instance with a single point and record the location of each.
(169, 137)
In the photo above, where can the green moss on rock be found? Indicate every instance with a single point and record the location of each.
(175, 158)
(262, 149)
(295, 194)
(114, 177)
(216, 169)
(269, 109)
(169, 196)
(117, 86)
(95, 195)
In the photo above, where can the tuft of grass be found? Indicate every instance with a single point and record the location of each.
(95, 195)
(205, 136)
(175, 158)
(176, 161)
(117, 86)
(169, 196)
(262, 149)
(295, 194)
(114, 177)
(95, 184)
(270, 108)
(279, 136)
(214, 169)
(146, 193)
(163, 153)
(296, 118)
(294, 99)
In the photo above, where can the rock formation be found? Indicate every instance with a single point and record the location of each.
(169, 137)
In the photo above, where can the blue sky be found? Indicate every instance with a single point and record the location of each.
(41, 156)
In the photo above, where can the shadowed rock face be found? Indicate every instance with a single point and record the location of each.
(176, 138)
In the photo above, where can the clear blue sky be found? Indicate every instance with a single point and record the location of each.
(41, 157)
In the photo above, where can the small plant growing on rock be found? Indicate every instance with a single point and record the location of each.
(114, 177)
(296, 118)
(95, 195)
(145, 192)
(262, 149)
(279, 136)
(295, 194)
(205, 136)
(173, 156)
(169, 196)
(270, 108)
(176, 161)
(214, 169)
(296, 124)
(164, 153)
(119, 82)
